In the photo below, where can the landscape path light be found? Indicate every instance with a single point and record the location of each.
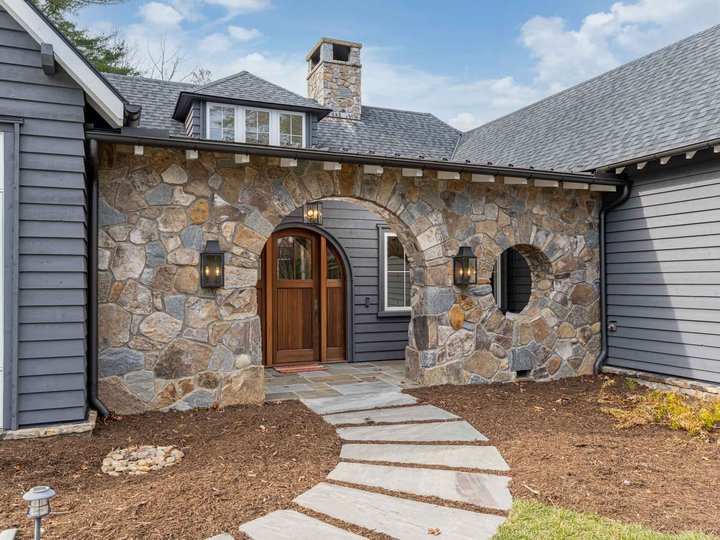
(38, 499)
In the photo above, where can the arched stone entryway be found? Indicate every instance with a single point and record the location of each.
(166, 342)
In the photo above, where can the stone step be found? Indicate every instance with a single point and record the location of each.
(358, 402)
(428, 432)
(222, 536)
(400, 518)
(399, 414)
(470, 457)
(284, 524)
(485, 490)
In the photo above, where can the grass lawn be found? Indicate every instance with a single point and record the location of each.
(537, 521)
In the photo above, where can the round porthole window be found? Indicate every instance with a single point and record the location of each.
(511, 282)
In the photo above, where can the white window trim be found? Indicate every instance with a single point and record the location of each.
(240, 122)
(389, 234)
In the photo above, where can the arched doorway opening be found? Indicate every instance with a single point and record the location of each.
(302, 298)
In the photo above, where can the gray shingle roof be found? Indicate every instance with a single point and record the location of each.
(390, 131)
(667, 99)
(157, 98)
(246, 86)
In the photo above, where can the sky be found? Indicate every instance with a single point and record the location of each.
(466, 61)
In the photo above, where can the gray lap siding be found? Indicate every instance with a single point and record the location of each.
(663, 271)
(356, 230)
(52, 219)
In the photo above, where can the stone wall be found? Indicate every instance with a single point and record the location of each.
(167, 343)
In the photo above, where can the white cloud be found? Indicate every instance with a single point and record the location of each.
(244, 6)
(563, 55)
(159, 15)
(606, 39)
(244, 34)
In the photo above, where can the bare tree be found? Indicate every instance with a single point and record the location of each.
(200, 76)
(166, 65)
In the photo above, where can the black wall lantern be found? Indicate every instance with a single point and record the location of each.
(212, 265)
(465, 267)
(312, 213)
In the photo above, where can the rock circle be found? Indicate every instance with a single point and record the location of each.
(141, 459)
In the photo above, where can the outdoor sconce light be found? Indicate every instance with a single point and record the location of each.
(465, 267)
(312, 213)
(38, 499)
(212, 266)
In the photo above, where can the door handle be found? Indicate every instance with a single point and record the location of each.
(316, 311)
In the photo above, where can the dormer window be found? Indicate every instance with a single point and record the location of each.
(257, 126)
(221, 123)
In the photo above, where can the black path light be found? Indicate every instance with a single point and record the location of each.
(38, 499)
(212, 265)
(465, 267)
(313, 213)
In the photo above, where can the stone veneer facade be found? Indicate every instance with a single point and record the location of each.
(166, 343)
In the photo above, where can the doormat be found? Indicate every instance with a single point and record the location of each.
(300, 369)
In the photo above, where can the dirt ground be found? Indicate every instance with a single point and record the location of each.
(239, 464)
(564, 451)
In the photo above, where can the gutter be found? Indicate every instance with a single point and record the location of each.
(92, 356)
(314, 154)
(712, 143)
(603, 277)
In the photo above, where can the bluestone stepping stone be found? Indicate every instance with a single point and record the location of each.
(485, 490)
(470, 457)
(285, 524)
(366, 387)
(428, 432)
(358, 402)
(400, 518)
(223, 536)
(399, 414)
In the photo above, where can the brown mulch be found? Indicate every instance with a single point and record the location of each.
(564, 451)
(240, 463)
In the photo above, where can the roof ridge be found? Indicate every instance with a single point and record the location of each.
(223, 79)
(626, 65)
(397, 110)
(142, 77)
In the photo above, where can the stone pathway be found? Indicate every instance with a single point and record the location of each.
(403, 449)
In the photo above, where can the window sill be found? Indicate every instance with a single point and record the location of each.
(392, 313)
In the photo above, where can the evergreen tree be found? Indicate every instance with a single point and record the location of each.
(107, 52)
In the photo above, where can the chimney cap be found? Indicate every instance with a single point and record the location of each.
(352, 44)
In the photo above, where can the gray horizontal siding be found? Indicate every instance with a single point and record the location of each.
(356, 230)
(52, 231)
(663, 272)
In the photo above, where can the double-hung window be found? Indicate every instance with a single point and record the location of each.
(256, 126)
(394, 273)
(221, 122)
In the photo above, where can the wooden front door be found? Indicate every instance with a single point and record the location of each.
(302, 299)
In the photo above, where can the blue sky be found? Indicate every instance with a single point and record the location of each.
(466, 61)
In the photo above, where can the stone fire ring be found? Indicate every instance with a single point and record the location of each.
(140, 459)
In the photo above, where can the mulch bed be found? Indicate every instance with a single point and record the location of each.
(563, 450)
(239, 464)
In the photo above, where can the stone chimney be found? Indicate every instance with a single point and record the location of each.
(334, 77)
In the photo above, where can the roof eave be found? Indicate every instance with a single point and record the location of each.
(100, 93)
(315, 154)
(703, 145)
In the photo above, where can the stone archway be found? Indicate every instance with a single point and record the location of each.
(167, 343)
